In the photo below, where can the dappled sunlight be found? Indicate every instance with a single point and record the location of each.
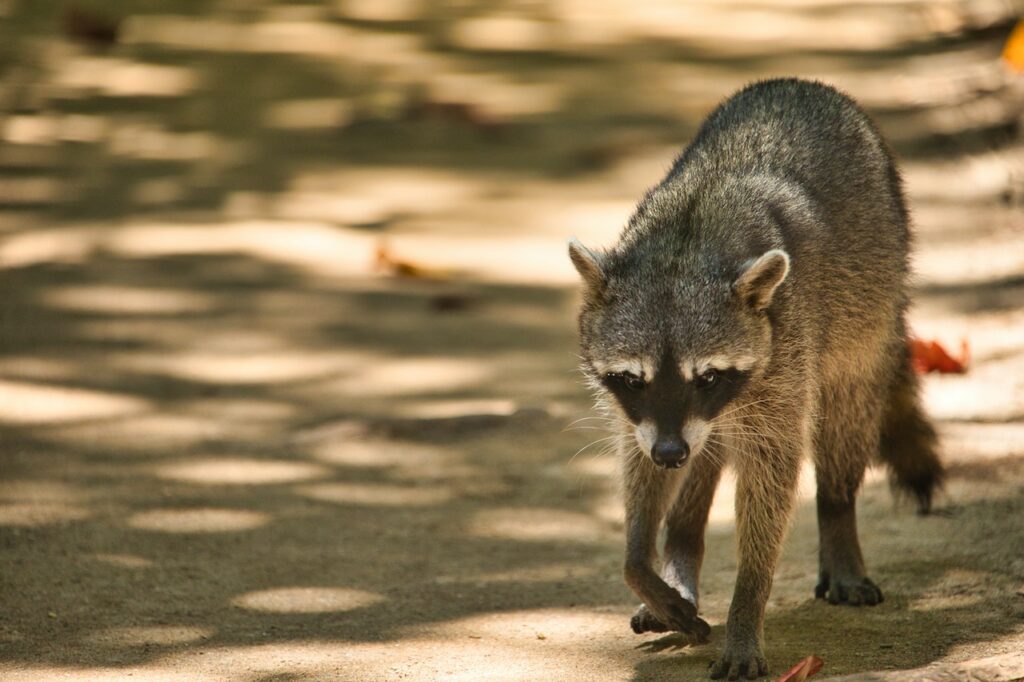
(377, 453)
(374, 495)
(306, 600)
(955, 589)
(123, 560)
(507, 33)
(976, 395)
(149, 636)
(513, 655)
(155, 433)
(374, 194)
(128, 300)
(240, 412)
(35, 514)
(195, 33)
(354, 211)
(239, 471)
(400, 376)
(435, 408)
(42, 490)
(978, 179)
(30, 190)
(498, 96)
(241, 445)
(972, 262)
(309, 114)
(42, 246)
(382, 11)
(51, 129)
(150, 673)
(147, 141)
(532, 524)
(232, 367)
(122, 78)
(25, 403)
(315, 247)
(974, 441)
(559, 626)
(536, 574)
(203, 520)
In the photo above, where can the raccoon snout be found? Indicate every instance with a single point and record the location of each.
(670, 453)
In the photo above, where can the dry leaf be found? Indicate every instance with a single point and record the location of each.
(802, 670)
(930, 356)
(387, 263)
(1013, 52)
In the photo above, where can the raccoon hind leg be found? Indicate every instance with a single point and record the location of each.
(846, 440)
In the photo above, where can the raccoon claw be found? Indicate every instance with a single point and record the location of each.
(678, 620)
(642, 621)
(645, 621)
(854, 592)
(733, 666)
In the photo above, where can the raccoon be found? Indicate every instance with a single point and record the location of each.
(753, 312)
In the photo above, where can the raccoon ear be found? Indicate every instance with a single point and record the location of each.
(589, 264)
(757, 284)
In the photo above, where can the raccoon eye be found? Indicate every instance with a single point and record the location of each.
(708, 378)
(632, 381)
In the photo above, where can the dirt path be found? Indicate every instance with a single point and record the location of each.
(230, 450)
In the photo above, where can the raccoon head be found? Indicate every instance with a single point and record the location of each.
(671, 343)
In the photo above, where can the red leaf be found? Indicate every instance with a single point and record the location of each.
(930, 356)
(802, 670)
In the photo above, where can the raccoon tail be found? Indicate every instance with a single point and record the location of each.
(908, 442)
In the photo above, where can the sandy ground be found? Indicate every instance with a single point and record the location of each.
(231, 450)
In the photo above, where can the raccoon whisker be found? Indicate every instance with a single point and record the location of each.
(712, 453)
(603, 420)
(750, 425)
(744, 406)
(741, 427)
(592, 444)
(734, 440)
(759, 439)
(746, 428)
(755, 438)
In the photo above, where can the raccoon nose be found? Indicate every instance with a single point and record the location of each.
(670, 453)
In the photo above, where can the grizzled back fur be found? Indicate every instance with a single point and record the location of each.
(786, 167)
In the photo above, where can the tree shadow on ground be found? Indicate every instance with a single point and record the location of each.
(217, 452)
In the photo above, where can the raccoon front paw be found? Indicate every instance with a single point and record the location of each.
(642, 621)
(673, 617)
(745, 661)
(855, 591)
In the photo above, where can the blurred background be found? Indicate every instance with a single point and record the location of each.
(287, 353)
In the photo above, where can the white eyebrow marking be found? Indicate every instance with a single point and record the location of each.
(641, 367)
(720, 362)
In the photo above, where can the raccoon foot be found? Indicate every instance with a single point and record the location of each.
(743, 661)
(644, 621)
(855, 590)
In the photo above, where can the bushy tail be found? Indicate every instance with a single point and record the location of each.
(908, 445)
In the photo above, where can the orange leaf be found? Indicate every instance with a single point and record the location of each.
(802, 670)
(930, 356)
(1013, 52)
(385, 262)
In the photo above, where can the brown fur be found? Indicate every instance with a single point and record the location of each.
(778, 246)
